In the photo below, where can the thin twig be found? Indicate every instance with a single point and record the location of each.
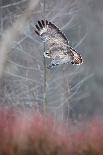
(13, 32)
(45, 76)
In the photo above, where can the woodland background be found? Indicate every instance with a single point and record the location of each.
(66, 91)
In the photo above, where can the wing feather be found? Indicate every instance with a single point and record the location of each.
(51, 33)
(59, 49)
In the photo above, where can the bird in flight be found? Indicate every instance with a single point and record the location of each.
(58, 48)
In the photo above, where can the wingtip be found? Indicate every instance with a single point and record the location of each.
(36, 32)
(40, 24)
(43, 22)
(46, 22)
(37, 27)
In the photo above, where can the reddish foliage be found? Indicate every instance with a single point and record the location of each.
(25, 132)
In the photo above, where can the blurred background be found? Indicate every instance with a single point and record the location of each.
(67, 91)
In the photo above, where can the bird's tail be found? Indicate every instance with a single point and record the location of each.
(76, 58)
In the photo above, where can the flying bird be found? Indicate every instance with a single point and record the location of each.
(58, 48)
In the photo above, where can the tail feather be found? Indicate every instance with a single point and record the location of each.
(76, 57)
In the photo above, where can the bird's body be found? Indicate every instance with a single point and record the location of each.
(59, 50)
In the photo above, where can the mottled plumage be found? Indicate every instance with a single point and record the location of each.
(59, 50)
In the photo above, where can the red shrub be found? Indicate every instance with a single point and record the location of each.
(31, 133)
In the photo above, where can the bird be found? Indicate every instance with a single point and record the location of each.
(58, 50)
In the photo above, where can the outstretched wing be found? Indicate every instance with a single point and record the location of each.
(58, 45)
(55, 39)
